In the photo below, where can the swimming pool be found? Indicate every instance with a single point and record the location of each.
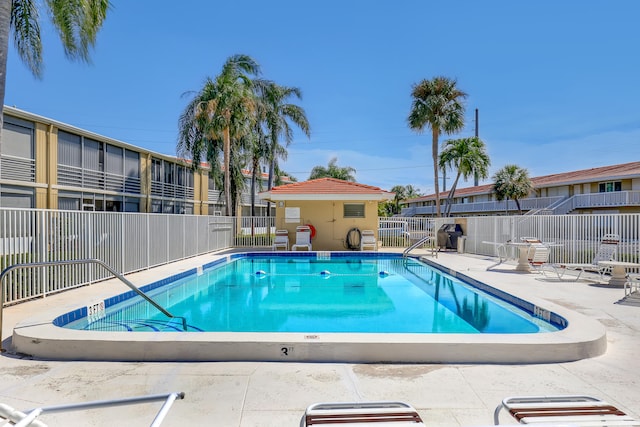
(343, 294)
(576, 337)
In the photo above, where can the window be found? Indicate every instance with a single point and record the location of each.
(93, 154)
(156, 170)
(69, 203)
(169, 177)
(16, 197)
(113, 205)
(354, 210)
(606, 187)
(17, 138)
(131, 205)
(131, 164)
(114, 159)
(156, 206)
(69, 149)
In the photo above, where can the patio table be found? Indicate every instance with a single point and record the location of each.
(523, 253)
(619, 271)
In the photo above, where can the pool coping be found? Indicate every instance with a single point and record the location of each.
(581, 338)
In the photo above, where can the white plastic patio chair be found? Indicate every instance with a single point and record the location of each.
(281, 241)
(368, 241)
(303, 238)
(538, 255)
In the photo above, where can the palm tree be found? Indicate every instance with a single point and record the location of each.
(77, 22)
(437, 104)
(512, 182)
(220, 111)
(333, 171)
(278, 113)
(469, 157)
(411, 192)
(400, 192)
(259, 149)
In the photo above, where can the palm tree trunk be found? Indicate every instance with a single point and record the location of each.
(5, 18)
(434, 153)
(272, 172)
(452, 192)
(254, 174)
(227, 170)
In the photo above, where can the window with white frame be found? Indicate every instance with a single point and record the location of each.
(606, 187)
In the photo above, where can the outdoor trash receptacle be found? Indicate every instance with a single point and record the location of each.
(448, 236)
(461, 243)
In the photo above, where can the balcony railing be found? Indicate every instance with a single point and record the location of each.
(484, 207)
(558, 205)
(18, 169)
(72, 176)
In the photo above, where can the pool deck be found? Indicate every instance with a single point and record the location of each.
(277, 393)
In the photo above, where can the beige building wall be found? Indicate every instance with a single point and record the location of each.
(558, 191)
(46, 156)
(327, 217)
(200, 192)
(145, 182)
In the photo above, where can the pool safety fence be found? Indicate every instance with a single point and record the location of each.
(132, 242)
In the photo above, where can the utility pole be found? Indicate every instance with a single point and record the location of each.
(476, 180)
(444, 179)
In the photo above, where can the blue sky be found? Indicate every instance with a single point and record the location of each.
(555, 82)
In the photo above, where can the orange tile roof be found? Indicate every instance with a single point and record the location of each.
(323, 187)
(625, 170)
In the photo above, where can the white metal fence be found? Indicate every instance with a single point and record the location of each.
(575, 237)
(404, 231)
(125, 241)
(134, 241)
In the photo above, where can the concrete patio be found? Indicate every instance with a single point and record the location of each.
(276, 394)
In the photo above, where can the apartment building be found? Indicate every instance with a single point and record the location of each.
(607, 189)
(47, 164)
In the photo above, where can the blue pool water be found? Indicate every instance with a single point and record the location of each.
(365, 294)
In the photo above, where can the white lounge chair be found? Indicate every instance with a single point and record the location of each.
(632, 284)
(281, 241)
(607, 251)
(368, 241)
(570, 410)
(303, 238)
(28, 418)
(538, 255)
(361, 413)
(10, 417)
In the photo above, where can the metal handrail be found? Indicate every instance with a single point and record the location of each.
(33, 265)
(421, 242)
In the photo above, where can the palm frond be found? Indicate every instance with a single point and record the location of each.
(26, 34)
(78, 23)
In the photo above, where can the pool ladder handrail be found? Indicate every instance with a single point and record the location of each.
(425, 239)
(111, 270)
